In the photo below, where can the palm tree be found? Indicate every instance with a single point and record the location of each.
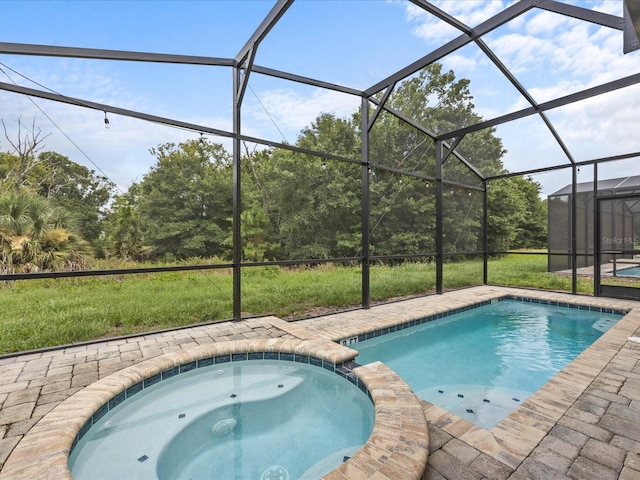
(35, 235)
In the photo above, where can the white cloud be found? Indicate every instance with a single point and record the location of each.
(122, 151)
(293, 110)
(602, 126)
(461, 63)
(469, 12)
(552, 56)
(428, 28)
(85, 79)
(607, 6)
(545, 23)
(521, 53)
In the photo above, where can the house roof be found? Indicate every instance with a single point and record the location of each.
(615, 185)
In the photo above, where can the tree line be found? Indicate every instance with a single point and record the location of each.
(58, 215)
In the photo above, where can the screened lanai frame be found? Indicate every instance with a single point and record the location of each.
(373, 103)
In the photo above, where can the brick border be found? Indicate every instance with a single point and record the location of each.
(396, 450)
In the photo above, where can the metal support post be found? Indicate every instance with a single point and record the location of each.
(485, 233)
(439, 217)
(366, 268)
(574, 223)
(595, 218)
(237, 246)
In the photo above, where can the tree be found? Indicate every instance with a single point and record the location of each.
(439, 102)
(35, 236)
(184, 202)
(255, 230)
(517, 215)
(403, 215)
(76, 189)
(532, 231)
(313, 203)
(124, 230)
(66, 184)
(19, 164)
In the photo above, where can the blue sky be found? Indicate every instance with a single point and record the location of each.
(352, 43)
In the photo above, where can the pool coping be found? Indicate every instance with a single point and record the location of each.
(513, 439)
(370, 334)
(397, 448)
(604, 415)
(519, 433)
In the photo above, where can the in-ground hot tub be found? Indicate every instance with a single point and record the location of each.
(397, 447)
(285, 417)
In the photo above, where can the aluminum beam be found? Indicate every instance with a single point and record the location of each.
(487, 26)
(236, 199)
(485, 233)
(429, 133)
(365, 207)
(525, 93)
(380, 107)
(558, 102)
(99, 54)
(557, 136)
(442, 15)
(597, 258)
(574, 229)
(439, 219)
(264, 28)
(426, 178)
(294, 148)
(244, 71)
(594, 162)
(56, 97)
(450, 149)
(115, 271)
(584, 14)
(494, 58)
(631, 10)
(163, 120)
(306, 80)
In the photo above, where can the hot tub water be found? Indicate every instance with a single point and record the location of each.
(247, 419)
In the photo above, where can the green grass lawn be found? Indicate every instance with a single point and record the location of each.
(531, 271)
(43, 313)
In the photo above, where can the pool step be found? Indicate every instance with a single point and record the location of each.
(485, 407)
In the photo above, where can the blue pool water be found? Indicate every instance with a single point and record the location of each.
(241, 420)
(482, 363)
(628, 272)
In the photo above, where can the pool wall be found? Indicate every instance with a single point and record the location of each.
(397, 448)
(515, 438)
(367, 335)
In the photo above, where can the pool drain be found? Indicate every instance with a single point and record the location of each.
(275, 472)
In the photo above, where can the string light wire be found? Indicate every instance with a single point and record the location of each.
(58, 126)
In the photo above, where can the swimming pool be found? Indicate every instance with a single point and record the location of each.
(629, 271)
(482, 363)
(241, 419)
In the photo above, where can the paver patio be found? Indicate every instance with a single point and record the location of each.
(583, 424)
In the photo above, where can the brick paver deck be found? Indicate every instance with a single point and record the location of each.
(584, 424)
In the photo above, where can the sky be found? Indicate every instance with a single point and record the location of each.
(354, 43)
